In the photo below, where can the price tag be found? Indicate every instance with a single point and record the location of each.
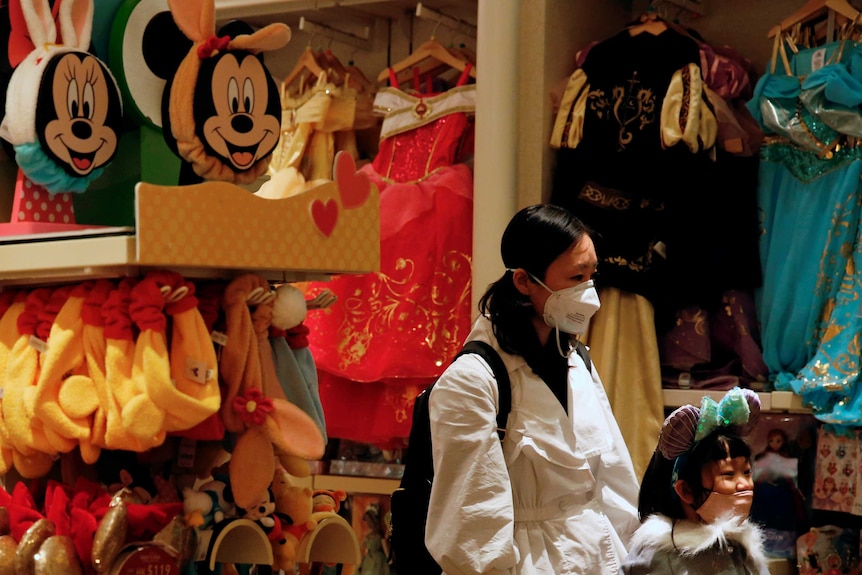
(196, 370)
(219, 337)
(146, 559)
(818, 59)
(38, 344)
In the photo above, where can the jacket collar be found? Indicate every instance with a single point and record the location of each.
(689, 538)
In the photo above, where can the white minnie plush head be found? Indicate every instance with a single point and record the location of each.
(63, 106)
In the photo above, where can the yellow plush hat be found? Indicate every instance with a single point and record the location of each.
(25, 433)
(93, 334)
(193, 393)
(142, 417)
(64, 361)
(119, 363)
(11, 306)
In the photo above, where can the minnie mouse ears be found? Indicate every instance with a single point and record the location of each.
(738, 411)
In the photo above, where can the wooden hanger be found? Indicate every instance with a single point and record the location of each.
(337, 71)
(432, 51)
(366, 85)
(649, 22)
(814, 9)
(307, 63)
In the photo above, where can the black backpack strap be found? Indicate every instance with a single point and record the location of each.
(501, 375)
(584, 352)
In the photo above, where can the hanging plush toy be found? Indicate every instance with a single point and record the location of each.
(63, 112)
(223, 109)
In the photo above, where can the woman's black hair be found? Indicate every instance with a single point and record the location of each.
(535, 237)
(657, 494)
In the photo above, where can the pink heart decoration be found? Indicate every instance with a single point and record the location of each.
(324, 215)
(353, 187)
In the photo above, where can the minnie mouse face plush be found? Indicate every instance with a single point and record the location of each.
(78, 113)
(63, 107)
(237, 109)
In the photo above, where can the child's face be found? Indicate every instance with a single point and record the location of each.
(728, 475)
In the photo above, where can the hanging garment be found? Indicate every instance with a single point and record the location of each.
(631, 131)
(808, 306)
(393, 332)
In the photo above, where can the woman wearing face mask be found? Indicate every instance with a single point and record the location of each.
(557, 495)
(696, 494)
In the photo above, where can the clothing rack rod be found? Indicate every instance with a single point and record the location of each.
(362, 42)
(452, 23)
(692, 6)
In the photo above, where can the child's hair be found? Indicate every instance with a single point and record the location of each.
(657, 494)
(690, 439)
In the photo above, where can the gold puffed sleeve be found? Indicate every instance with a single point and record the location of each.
(569, 123)
(686, 114)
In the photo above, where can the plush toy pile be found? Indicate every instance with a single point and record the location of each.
(124, 364)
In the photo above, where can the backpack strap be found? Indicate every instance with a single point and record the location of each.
(501, 375)
(584, 352)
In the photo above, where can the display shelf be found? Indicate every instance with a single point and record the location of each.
(781, 566)
(352, 484)
(211, 230)
(770, 401)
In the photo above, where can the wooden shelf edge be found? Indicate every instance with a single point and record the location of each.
(770, 401)
(353, 484)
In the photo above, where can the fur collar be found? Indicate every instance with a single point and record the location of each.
(690, 538)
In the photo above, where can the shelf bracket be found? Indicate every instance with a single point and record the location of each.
(455, 24)
(362, 42)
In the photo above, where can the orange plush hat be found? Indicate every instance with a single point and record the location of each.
(269, 427)
(240, 130)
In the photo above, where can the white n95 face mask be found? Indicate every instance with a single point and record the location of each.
(569, 310)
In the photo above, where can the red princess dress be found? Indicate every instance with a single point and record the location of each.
(391, 333)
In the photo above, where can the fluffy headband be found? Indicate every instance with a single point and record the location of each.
(738, 410)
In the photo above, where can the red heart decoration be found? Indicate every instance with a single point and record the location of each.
(353, 187)
(324, 215)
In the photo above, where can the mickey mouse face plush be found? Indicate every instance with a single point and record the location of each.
(224, 111)
(237, 109)
(63, 107)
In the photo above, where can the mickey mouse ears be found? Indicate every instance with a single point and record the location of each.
(738, 411)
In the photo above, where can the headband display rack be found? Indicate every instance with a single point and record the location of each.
(363, 41)
(450, 22)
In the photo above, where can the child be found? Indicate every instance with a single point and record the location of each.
(696, 494)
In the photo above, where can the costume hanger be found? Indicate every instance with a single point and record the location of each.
(814, 9)
(365, 85)
(307, 63)
(648, 22)
(342, 73)
(427, 57)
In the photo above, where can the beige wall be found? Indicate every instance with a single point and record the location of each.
(551, 32)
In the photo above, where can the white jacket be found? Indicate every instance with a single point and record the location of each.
(571, 504)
